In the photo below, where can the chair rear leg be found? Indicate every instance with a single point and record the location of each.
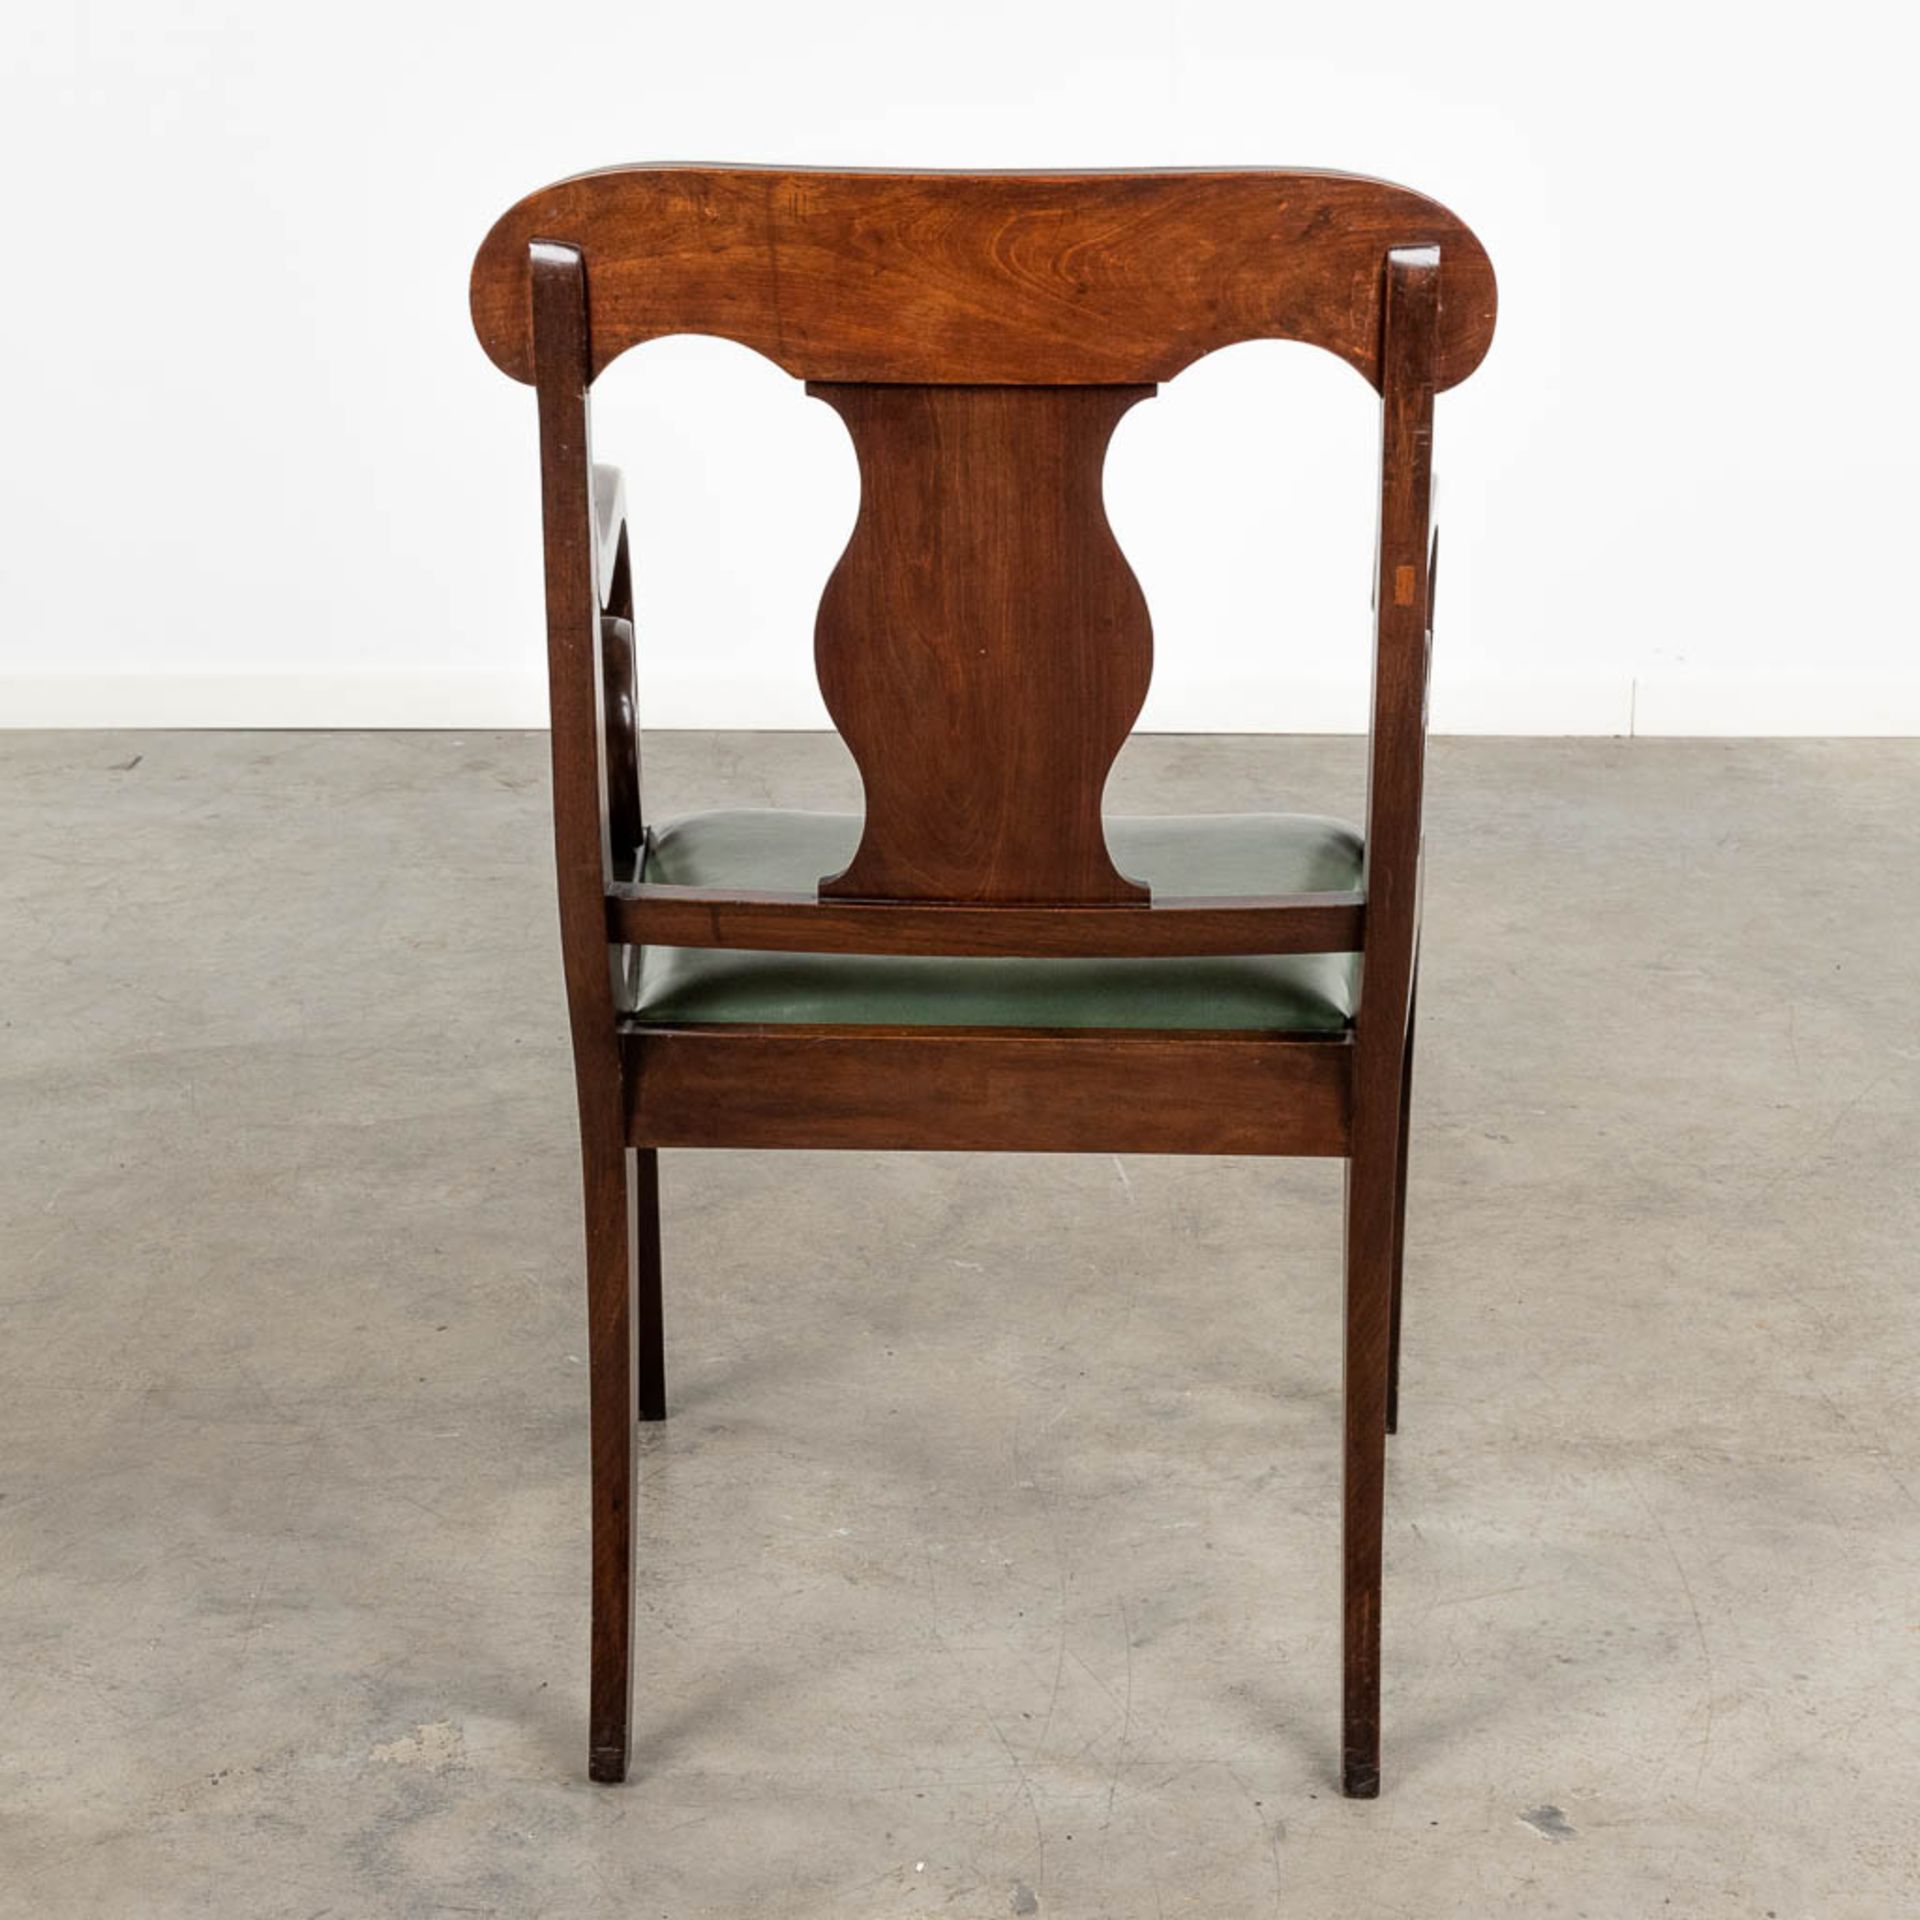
(643, 1187)
(611, 1381)
(1371, 1179)
(1400, 1215)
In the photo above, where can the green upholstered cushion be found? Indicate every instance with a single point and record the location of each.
(1249, 853)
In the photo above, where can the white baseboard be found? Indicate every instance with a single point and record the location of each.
(1566, 704)
(324, 701)
(1778, 706)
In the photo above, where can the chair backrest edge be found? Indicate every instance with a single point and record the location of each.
(1045, 279)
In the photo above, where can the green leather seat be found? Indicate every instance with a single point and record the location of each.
(1249, 853)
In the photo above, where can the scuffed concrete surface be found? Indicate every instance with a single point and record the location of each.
(989, 1554)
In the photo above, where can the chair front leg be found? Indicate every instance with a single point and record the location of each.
(611, 1382)
(1372, 1181)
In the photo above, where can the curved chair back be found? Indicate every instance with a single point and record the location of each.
(983, 646)
(983, 279)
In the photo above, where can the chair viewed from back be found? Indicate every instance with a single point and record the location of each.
(980, 960)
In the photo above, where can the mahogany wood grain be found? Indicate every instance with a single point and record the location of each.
(1045, 279)
(582, 862)
(990, 1089)
(647, 915)
(1395, 771)
(983, 646)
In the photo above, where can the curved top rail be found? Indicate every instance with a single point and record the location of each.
(1016, 279)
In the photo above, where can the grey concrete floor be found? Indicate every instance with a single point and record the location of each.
(990, 1550)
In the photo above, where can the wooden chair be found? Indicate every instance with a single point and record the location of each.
(982, 961)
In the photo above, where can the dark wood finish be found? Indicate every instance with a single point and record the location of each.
(1400, 1182)
(1048, 279)
(646, 915)
(582, 860)
(619, 682)
(643, 1235)
(1395, 757)
(957, 1089)
(983, 646)
(626, 830)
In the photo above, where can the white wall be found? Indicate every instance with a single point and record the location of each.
(257, 471)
